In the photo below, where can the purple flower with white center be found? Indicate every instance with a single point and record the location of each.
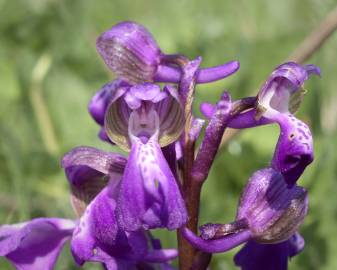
(144, 119)
(130, 51)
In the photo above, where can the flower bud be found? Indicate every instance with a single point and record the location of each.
(272, 210)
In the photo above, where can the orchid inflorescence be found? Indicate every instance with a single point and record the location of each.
(147, 111)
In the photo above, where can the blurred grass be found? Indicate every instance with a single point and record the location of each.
(260, 34)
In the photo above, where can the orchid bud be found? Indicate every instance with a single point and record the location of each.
(272, 210)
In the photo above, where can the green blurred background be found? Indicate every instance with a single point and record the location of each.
(49, 70)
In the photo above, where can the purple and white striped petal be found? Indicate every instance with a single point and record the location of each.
(144, 98)
(130, 51)
(35, 244)
(88, 171)
(272, 210)
(283, 92)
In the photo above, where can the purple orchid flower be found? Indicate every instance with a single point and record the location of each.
(130, 51)
(143, 119)
(269, 212)
(277, 100)
(94, 177)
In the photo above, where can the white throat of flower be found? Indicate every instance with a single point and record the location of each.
(143, 125)
(276, 100)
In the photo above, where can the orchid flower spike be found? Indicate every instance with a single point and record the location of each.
(131, 52)
(142, 120)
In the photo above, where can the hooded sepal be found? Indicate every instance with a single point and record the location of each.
(88, 171)
(272, 210)
(283, 91)
(144, 99)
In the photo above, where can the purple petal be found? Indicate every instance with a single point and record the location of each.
(207, 109)
(100, 101)
(88, 171)
(312, 69)
(35, 244)
(170, 74)
(104, 136)
(254, 256)
(295, 244)
(219, 245)
(145, 91)
(149, 195)
(130, 51)
(97, 229)
(161, 255)
(247, 120)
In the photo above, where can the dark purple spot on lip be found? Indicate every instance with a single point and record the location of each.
(300, 138)
(303, 133)
(307, 145)
(299, 124)
(143, 159)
